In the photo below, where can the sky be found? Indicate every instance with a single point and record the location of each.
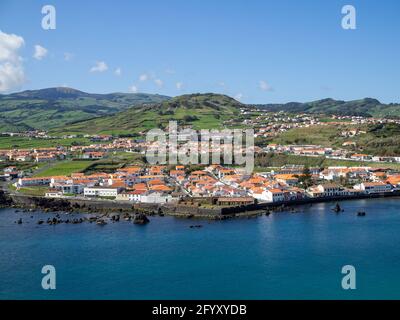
(258, 51)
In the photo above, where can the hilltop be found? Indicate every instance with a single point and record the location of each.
(364, 107)
(56, 107)
(202, 111)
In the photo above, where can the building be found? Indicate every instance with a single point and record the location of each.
(374, 187)
(38, 181)
(100, 192)
(232, 201)
(275, 195)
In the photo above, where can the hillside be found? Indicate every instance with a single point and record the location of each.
(363, 107)
(55, 107)
(202, 111)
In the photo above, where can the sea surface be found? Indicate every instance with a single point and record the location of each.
(282, 256)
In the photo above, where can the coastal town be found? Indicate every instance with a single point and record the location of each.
(227, 186)
(218, 184)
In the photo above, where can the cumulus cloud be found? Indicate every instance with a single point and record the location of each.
(11, 68)
(159, 82)
(179, 85)
(100, 66)
(40, 52)
(264, 86)
(144, 77)
(133, 89)
(118, 71)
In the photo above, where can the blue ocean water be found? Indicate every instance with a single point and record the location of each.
(282, 256)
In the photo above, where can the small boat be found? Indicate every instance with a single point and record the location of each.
(361, 213)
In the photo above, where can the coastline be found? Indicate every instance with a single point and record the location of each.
(111, 207)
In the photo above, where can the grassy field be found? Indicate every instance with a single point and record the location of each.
(26, 143)
(379, 139)
(65, 168)
(204, 111)
(34, 191)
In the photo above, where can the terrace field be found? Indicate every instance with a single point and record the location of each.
(26, 142)
(64, 168)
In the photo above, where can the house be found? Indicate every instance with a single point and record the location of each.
(234, 201)
(133, 196)
(156, 197)
(288, 179)
(327, 190)
(374, 187)
(37, 181)
(275, 195)
(100, 191)
(360, 157)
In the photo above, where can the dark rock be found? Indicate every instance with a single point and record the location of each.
(140, 218)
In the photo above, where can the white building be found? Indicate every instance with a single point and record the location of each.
(156, 197)
(374, 187)
(100, 192)
(39, 181)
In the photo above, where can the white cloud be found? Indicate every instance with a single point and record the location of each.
(100, 66)
(264, 86)
(40, 52)
(169, 71)
(11, 68)
(179, 85)
(144, 77)
(159, 82)
(118, 71)
(238, 96)
(133, 89)
(68, 56)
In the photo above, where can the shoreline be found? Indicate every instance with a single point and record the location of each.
(112, 207)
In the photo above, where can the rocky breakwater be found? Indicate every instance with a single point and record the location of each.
(5, 199)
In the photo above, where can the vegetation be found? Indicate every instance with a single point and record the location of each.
(202, 111)
(363, 107)
(26, 142)
(55, 107)
(379, 139)
(64, 168)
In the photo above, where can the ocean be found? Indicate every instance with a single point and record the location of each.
(281, 256)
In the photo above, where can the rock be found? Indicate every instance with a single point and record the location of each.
(140, 218)
(101, 222)
(19, 221)
(40, 222)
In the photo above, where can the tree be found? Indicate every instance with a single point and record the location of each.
(306, 179)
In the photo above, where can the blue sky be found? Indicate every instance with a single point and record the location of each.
(258, 51)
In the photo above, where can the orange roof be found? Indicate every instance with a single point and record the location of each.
(155, 182)
(161, 187)
(275, 190)
(198, 173)
(139, 186)
(285, 176)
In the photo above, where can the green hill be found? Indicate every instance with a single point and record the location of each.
(202, 111)
(364, 107)
(55, 107)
